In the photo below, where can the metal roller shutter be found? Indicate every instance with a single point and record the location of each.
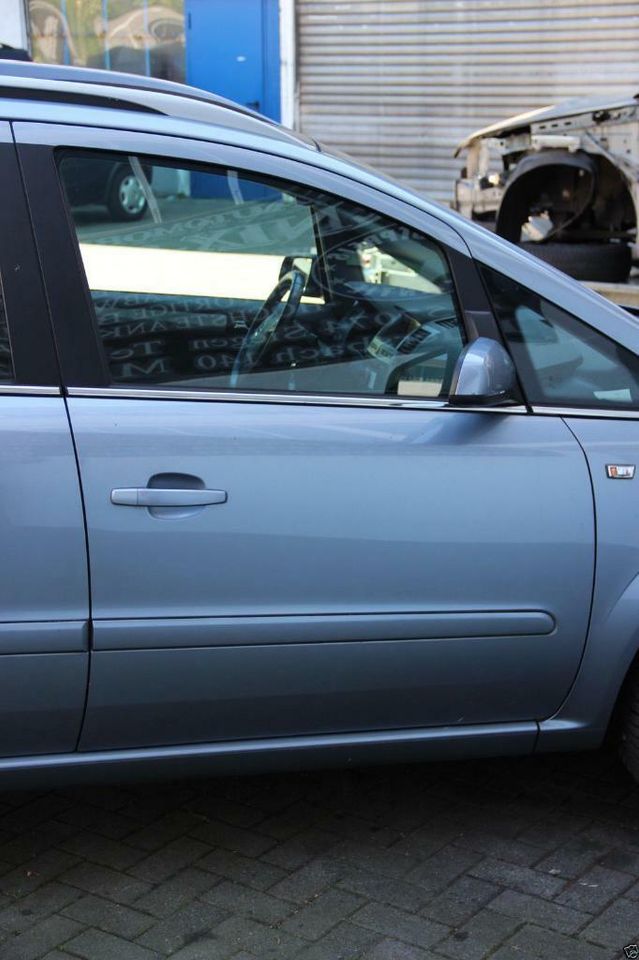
(398, 83)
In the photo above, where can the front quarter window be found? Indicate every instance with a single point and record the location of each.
(561, 360)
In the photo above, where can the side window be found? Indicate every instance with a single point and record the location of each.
(221, 280)
(561, 360)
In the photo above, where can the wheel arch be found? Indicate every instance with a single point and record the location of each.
(523, 185)
(610, 194)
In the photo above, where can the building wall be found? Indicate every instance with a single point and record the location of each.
(398, 83)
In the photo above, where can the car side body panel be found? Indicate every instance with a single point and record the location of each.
(44, 600)
(241, 757)
(575, 686)
(613, 640)
(123, 629)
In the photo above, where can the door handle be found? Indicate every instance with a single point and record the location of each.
(156, 497)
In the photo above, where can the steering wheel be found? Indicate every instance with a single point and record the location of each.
(271, 314)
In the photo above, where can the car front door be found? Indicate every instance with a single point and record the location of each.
(289, 530)
(44, 595)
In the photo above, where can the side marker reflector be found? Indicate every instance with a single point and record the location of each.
(620, 471)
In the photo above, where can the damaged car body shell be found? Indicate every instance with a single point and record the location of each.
(563, 181)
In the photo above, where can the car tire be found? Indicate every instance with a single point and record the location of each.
(126, 200)
(606, 262)
(629, 727)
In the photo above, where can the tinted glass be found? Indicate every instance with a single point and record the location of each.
(218, 280)
(561, 360)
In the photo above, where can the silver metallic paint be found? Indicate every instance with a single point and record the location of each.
(613, 638)
(334, 513)
(44, 595)
(483, 372)
(531, 447)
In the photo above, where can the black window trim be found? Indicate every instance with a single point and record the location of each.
(35, 364)
(82, 361)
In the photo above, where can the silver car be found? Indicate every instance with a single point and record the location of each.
(297, 468)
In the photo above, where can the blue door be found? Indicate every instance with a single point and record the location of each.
(232, 48)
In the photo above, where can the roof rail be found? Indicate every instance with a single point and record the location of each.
(79, 85)
(87, 99)
(130, 81)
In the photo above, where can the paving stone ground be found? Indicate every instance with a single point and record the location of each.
(507, 859)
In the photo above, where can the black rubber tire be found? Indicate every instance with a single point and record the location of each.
(116, 209)
(606, 262)
(629, 739)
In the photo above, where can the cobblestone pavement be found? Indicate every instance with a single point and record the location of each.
(508, 859)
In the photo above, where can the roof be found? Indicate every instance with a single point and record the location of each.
(557, 111)
(90, 87)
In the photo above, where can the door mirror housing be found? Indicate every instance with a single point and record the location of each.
(484, 375)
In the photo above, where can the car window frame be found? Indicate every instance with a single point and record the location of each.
(82, 358)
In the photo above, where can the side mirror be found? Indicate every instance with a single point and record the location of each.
(484, 375)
